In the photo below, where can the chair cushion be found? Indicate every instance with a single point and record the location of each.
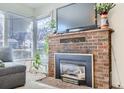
(6, 54)
(12, 68)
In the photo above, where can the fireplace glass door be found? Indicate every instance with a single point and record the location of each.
(72, 70)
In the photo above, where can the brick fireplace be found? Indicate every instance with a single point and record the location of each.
(96, 42)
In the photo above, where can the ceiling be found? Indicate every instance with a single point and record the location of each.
(34, 5)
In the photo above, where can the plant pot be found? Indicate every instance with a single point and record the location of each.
(104, 21)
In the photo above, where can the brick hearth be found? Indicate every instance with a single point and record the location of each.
(96, 42)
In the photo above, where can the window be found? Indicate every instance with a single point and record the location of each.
(42, 33)
(20, 36)
(1, 28)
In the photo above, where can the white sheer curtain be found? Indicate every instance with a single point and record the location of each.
(20, 36)
(1, 28)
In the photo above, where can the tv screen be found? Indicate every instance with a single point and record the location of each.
(77, 16)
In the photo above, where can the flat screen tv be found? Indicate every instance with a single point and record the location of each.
(76, 17)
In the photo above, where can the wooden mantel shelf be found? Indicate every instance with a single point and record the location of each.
(78, 32)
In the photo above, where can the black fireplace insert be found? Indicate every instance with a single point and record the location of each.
(74, 64)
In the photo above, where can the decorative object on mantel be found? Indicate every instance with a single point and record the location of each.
(1, 64)
(103, 9)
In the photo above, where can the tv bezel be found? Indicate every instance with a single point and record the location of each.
(83, 27)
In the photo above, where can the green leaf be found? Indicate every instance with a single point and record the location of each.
(37, 60)
(52, 24)
(102, 8)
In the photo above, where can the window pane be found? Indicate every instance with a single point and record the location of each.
(20, 36)
(42, 33)
(1, 28)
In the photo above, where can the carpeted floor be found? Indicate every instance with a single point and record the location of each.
(60, 84)
(31, 82)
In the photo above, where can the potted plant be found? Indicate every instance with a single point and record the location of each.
(52, 25)
(46, 45)
(103, 10)
(37, 60)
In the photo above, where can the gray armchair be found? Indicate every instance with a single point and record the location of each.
(13, 74)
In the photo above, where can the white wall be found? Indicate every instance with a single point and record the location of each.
(46, 9)
(116, 20)
(17, 8)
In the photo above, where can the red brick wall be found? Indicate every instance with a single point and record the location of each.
(98, 42)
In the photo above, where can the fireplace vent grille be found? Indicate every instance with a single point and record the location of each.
(73, 40)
